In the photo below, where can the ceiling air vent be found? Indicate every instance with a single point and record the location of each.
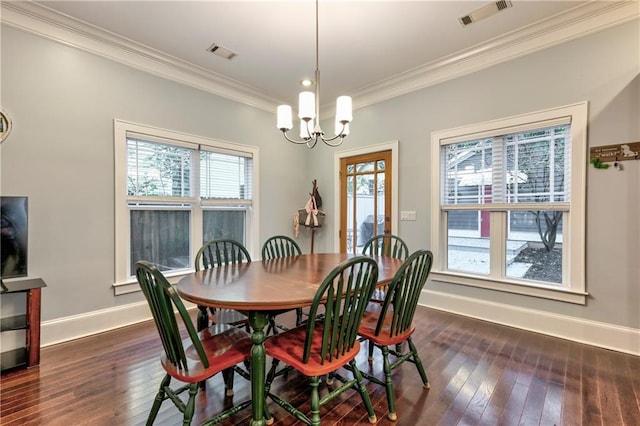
(222, 52)
(485, 12)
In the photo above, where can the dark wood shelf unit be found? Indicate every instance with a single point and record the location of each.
(29, 354)
(18, 322)
(14, 359)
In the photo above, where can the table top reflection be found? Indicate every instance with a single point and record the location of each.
(274, 284)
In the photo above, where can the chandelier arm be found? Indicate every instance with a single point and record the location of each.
(340, 134)
(328, 140)
(312, 142)
(306, 141)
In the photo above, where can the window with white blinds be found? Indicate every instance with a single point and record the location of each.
(176, 191)
(508, 200)
(156, 169)
(517, 168)
(225, 176)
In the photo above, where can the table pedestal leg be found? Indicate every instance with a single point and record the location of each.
(258, 321)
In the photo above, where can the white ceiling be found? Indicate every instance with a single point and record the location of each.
(364, 45)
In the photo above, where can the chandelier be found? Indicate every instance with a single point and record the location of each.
(309, 113)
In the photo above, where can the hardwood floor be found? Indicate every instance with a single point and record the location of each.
(480, 374)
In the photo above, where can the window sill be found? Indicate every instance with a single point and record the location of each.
(528, 289)
(132, 286)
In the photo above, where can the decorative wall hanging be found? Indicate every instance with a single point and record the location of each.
(5, 125)
(600, 155)
(310, 216)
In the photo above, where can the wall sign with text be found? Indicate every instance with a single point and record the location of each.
(619, 152)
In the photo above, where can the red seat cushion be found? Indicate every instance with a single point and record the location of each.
(224, 345)
(370, 322)
(288, 347)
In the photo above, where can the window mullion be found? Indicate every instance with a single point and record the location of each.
(498, 246)
(196, 211)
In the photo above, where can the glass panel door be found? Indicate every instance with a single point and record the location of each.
(365, 199)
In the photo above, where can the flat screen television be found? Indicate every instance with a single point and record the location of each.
(14, 227)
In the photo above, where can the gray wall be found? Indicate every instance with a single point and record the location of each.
(602, 68)
(60, 154)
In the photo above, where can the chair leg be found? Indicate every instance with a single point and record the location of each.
(227, 375)
(418, 362)
(315, 401)
(160, 396)
(371, 346)
(389, 384)
(271, 375)
(363, 392)
(203, 318)
(267, 416)
(272, 328)
(298, 317)
(191, 404)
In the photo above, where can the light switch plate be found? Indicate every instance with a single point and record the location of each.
(407, 215)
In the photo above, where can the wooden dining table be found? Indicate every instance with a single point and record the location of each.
(261, 288)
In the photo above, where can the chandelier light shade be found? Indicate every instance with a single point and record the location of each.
(309, 113)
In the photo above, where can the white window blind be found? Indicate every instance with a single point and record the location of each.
(225, 176)
(531, 166)
(156, 169)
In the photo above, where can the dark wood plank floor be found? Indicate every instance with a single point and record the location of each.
(480, 374)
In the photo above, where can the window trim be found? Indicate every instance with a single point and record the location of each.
(574, 291)
(124, 282)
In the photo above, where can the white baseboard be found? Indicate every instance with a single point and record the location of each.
(76, 326)
(82, 325)
(608, 336)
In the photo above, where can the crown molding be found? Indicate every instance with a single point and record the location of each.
(572, 24)
(577, 22)
(55, 26)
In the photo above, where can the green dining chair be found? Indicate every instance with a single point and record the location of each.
(280, 246)
(324, 344)
(391, 323)
(277, 247)
(387, 245)
(219, 348)
(211, 255)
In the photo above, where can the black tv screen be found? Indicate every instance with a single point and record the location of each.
(13, 250)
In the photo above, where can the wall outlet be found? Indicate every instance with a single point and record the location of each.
(407, 215)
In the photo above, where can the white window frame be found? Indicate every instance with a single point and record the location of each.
(573, 289)
(124, 280)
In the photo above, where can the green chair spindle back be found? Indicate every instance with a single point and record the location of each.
(280, 246)
(212, 254)
(162, 299)
(387, 245)
(277, 247)
(328, 341)
(344, 293)
(221, 252)
(403, 293)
